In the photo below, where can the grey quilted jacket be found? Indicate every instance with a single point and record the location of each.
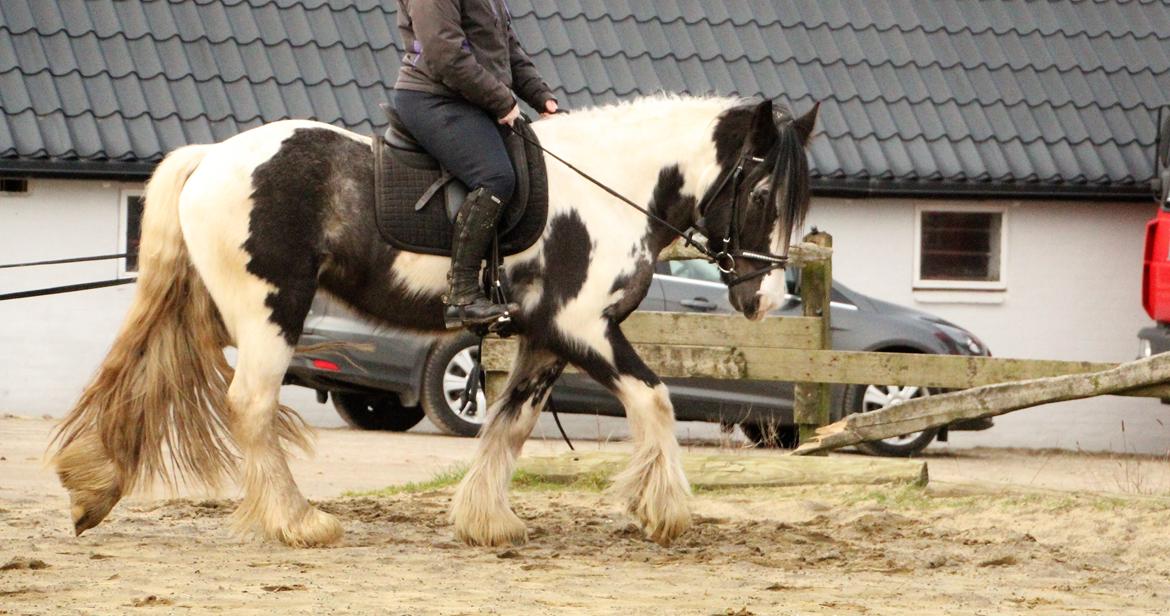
(467, 48)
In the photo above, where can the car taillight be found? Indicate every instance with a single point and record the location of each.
(1148, 251)
(322, 364)
(1156, 268)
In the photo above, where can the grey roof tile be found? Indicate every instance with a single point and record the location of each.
(1051, 92)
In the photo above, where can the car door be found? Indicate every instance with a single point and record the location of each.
(693, 285)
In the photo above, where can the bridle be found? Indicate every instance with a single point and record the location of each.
(723, 258)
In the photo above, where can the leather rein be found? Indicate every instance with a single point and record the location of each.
(724, 258)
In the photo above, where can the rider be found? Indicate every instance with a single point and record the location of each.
(455, 93)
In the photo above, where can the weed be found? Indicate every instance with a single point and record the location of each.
(443, 479)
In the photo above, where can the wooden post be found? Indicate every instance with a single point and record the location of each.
(811, 407)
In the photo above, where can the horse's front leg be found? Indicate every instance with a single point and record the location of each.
(654, 484)
(480, 509)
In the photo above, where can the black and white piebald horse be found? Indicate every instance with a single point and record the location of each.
(237, 238)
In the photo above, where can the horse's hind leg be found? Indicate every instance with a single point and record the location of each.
(272, 504)
(480, 509)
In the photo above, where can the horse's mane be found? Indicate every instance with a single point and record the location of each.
(643, 108)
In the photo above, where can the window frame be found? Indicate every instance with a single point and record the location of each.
(961, 285)
(124, 196)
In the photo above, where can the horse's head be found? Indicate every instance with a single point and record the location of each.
(761, 196)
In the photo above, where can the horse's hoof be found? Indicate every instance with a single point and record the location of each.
(313, 530)
(493, 531)
(658, 497)
(88, 509)
(663, 530)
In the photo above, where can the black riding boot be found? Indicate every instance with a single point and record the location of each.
(475, 226)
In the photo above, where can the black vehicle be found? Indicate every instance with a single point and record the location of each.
(401, 377)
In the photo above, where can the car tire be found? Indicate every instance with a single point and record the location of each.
(771, 436)
(445, 373)
(376, 411)
(867, 398)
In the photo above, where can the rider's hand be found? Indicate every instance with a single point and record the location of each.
(511, 116)
(550, 107)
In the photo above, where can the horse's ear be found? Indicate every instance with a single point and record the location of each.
(805, 123)
(763, 134)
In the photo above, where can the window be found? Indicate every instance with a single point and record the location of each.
(695, 269)
(13, 186)
(960, 247)
(130, 229)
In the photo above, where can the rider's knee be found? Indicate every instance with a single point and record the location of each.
(501, 183)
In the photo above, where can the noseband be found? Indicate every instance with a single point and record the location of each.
(725, 257)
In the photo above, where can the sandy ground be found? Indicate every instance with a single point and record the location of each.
(997, 532)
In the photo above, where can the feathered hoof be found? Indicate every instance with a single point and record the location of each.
(662, 524)
(88, 508)
(499, 529)
(92, 481)
(314, 529)
(658, 497)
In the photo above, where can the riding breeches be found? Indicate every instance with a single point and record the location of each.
(465, 139)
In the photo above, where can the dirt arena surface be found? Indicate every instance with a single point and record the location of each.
(997, 532)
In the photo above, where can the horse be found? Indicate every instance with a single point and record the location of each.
(238, 237)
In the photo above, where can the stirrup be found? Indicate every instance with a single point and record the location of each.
(456, 319)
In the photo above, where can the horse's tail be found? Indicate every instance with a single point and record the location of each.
(156, 409)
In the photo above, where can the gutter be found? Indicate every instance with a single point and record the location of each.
(940, 189)
(78, 170)
(821, 187)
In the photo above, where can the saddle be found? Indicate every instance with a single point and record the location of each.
(415, 200)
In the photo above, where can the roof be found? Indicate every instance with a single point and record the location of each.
(952, 95)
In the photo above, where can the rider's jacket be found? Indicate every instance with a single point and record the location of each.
(467, 48)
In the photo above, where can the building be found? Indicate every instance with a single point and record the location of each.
(1026, 128)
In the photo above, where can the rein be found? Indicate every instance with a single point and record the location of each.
(723, 259)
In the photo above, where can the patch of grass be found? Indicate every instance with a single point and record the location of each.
(521, 480)
(443, 479)
(905, 496)
(592, 482)
(911, 497)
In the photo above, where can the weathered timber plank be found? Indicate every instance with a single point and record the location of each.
(498, 355)
(667, 360)
(721, 330)
(494, 385)
(986, 401)
(738, 470)
(798, 254)
(853, 367)
(942, 371)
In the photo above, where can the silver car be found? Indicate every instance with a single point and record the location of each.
(400, 377)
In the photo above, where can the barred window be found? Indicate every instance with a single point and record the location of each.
(960, 248)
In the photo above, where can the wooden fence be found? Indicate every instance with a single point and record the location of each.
(798, 350)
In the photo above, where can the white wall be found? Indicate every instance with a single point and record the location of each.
(1073, 292)
(50, 346)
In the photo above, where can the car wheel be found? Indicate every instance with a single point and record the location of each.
(445, 375)
(376, 411)
(867, 398)
(770, 435)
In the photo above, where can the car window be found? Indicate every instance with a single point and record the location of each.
(695, 269)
